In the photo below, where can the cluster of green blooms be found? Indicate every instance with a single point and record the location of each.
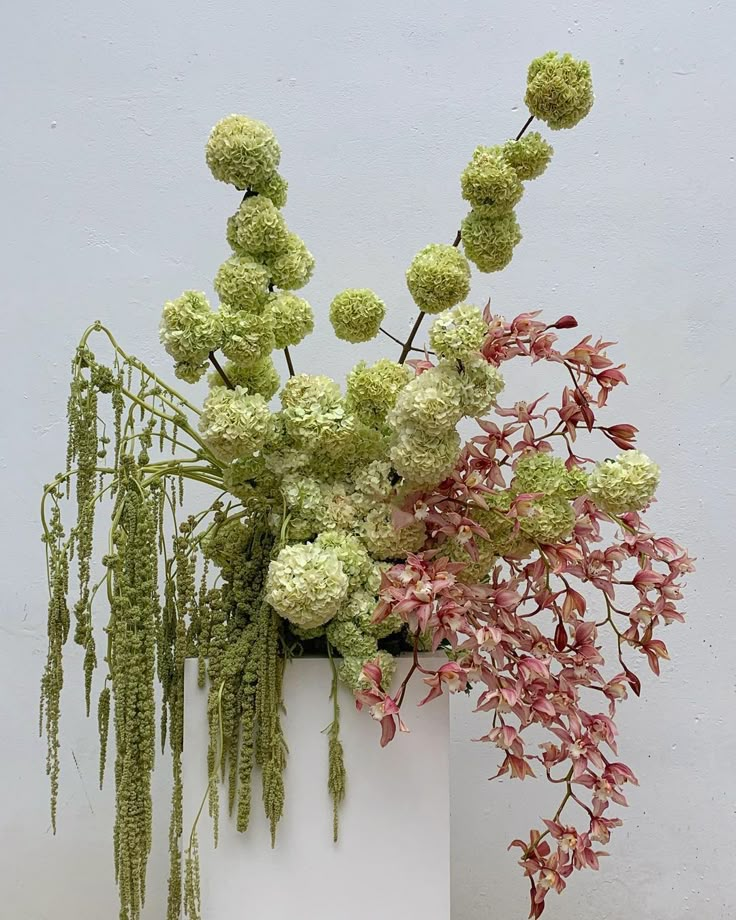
(356, 314)
(627, 483)
(458, 332)
(234, 423)
(529, 156)
(372, 390)
(190, 330)
(438, 278)
(306, 584)
(559, 89)
(291, 318)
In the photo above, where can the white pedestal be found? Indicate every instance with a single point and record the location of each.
(393, 856)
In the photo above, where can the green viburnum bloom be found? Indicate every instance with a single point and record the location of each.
(291, 318)
(305, 504)
(338, 510)
(542, 472)
(458, 332)
(428, 406)
(356, 562)
(372, 389)
(559, 89)
(372, 484)
(356, 314)
(490, 181)
(234, 423)
(351, 670)
(306, 584)
(242, 284)
(503, 540)
(350, 640)
(257, 377)
(549, 520)
(438, 278)
(190, 371)
(360, 608)
(627, 483)
(529, 156)
(479, 383)
(275, 188)
(242, 151)
(304, 390)
(489, 239)
(385, 541)
(292, 267)
(250, 480)
(476, 570)
(247, 337)
(258, 227)
(423, 461)
(189, 328)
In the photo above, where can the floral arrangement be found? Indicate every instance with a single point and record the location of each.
(357, 524)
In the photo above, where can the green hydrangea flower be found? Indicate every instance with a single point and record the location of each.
(247, 337)
(275, 188)
(489, 239)
(559, 89)
(549, 520)
(458, 332)
(304, 502)
(242, 284)
(258, 227)
(291, 318)
(372, 390)
(627, 483)
(250, 480)
(383, 540)
(338, 509)
(529, 156)
(257, 377)
(438, 278)
(490, 181)
(242, 151)
(292, 267)
(428, 406)
(543, 472)
(190, 371)
(479, 383)
(189, 329)
(351, 670)
(356, 562)
(503, 540)
(350, 640)
(234, 423)
(356, 314)
(306, 584)
(423, 461)
(372, 484)
(476, 570)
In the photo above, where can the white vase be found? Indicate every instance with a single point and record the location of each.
(393, 856)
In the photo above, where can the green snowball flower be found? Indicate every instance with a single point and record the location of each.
(503, 539)
(529, 156)
(304, 502)
(372, 484)
(489, 239)
(257, 377)
(385, 541)
(291, 318)
(356, 562)
(360, 608)
(247, 337)
(422, 461)
(190, 371)
(189, 329)
(372, 390)
(490, 181)
(242, 151)
(242, 284)
(480, 383)
(351, 670)
(356, 314)
(258, 227)
(627, 483)
(350, 640)
(559, 89)
(234, 424)
(458, 332)
(250, 480)
(292, 267)
(549, 520)
(428, 407)
(275, 188)
(438, 278)
(306, 584)
(543, 472)
(305, 390)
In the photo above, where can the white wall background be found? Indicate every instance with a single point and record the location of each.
(108, 210)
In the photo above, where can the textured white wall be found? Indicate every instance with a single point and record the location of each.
(108, 210)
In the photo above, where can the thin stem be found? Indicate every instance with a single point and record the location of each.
(392, 337)
(216, 364)
(410, 341)
(289, 362)
(458, 237)
(529, 120)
